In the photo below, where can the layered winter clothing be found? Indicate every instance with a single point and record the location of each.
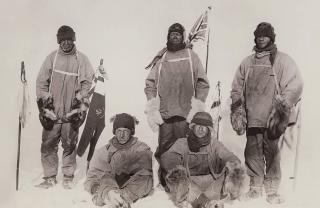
(176, 82)
(260, 87)
(61, 77)
(206, 170)
(176, 88)
(126, 168)
(255, 83)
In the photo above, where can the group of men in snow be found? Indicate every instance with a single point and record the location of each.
(195, 169)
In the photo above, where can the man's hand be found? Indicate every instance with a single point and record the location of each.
(116, 199)
(96, 200)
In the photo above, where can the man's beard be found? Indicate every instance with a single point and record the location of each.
(175, 47)
(67, 50)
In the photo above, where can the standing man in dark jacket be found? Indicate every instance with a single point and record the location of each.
(269, 84)
(62, 89)
(176, 88)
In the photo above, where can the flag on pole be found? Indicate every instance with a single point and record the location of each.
(200, 28)
(198, 31)
(24, 114)
(24, 99)
(95, 122)
(215, 111)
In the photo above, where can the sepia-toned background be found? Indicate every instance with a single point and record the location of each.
(127, 35)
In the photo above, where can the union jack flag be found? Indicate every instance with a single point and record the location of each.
(200, 28)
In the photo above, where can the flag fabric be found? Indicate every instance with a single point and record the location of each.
(24, 103)
(215, 111)
(95, 122)
(200, 28)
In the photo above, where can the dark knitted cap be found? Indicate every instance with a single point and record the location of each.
(202, 118)
(176, 27)
(265, 29)
(65, 33)
(124, 120)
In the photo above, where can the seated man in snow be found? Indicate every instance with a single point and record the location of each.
(201, 172)
(120, 172)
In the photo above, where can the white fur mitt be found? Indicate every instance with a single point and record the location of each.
(235, 179)
(196, 106)
(153, 114)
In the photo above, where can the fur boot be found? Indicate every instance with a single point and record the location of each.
(196, 106)
(153, 114)
(178, 184)
(278, 119)
(238, 117)
(235, 180)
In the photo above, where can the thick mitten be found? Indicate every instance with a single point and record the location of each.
(153, 114)
(278, 119)
(238, 117)
(78, 112)
(234, 184)
(46, 112)
(178, 184)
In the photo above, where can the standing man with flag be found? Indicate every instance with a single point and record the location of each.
(176, 88)
(268, 84)
(63, 83)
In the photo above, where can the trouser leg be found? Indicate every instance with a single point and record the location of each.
(137, 188)
(254, 159)
(49, 151)
(273, 170)
(168, 135)
(69, 138)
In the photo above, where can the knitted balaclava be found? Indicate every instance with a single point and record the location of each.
(65, 33)
(176, 27)
(264, 29)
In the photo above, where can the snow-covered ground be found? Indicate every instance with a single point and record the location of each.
(57, 197)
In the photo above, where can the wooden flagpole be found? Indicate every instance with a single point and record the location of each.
(23, 80)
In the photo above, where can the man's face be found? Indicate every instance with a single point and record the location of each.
(200, 131)
(262, 41)
(66, 45)
(123, 135)
(175, 38)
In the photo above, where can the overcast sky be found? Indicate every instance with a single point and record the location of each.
(127, 35)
